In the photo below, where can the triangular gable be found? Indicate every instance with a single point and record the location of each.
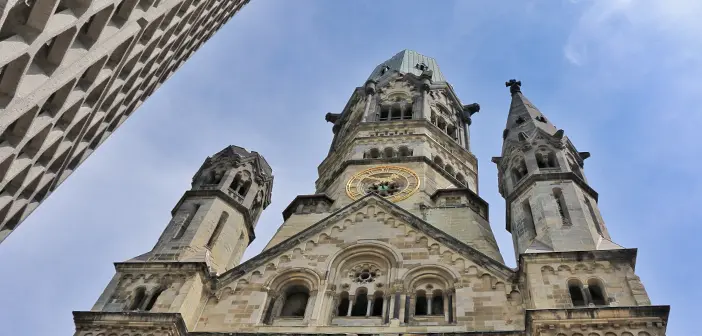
(392, 209)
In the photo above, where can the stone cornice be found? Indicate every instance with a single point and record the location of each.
(476, 256)
(353, 331)
(86, 320)
(627, 256)
(291, 207)
(528, 181)
(164, 266)
(471, 196)
(595, 317)
(226, 198)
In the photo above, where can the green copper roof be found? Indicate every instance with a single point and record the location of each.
(407, 61)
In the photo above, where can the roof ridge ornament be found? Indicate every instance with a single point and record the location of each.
(514, 86)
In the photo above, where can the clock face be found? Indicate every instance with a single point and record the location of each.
(391, 182)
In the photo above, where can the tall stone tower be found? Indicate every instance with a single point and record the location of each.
(395, 240)
(72, 71)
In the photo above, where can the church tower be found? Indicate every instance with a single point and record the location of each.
(550, 205)
(395, 240)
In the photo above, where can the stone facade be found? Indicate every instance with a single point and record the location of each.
(72, 71)
(425, 263)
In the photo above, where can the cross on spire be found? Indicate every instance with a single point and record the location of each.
(514, 85)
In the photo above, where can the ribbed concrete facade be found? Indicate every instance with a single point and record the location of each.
(72, 71)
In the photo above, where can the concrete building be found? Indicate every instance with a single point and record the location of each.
(72, 71)
(395, 239)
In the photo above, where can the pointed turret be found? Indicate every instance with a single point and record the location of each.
(524, 116)
(550, 206)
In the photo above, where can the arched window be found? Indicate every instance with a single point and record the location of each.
(245, 188)
(377, 304)
(404, 151)
(384, 113)
(407, 112)
(360, 304)
(344, 303)
(575, 289)
(152, 300)
(389, 152)
(519, 170)
(218, 229)
(596, 292)
(441, 123)
(295, 301)
(449, 169)
(138, 299)
(437, 302)
(461, 178)
(546, 158)
(236, 183)
(451, 131)
(439, 161)
(396, 112)
(374, 153)
(420, 305)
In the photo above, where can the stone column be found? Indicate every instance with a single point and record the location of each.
(446, 306)
(386, 309)
(429, 299)
(310, 307)
(270, 303)
(352, 301)
(369, 305)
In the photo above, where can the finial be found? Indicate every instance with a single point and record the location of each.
(514, 85)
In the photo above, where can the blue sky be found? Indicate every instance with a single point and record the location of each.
(619, 76)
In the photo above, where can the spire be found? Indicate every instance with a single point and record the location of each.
(524, 116)
(408, 61)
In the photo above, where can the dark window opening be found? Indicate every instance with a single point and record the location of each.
(420, 306)
(295, 302)
(437, 304)
(377, 305)
(360, 306)
(344, 304)
(596, 293)
(576, 294)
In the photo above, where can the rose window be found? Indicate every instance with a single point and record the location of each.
(364, 273)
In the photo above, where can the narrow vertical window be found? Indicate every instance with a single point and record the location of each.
(437, 302)
(186, 223)
(597, 294)
(138, 300)
(420, 304)
(377, 304)
(593, 216)
(561, 205)
(575, 289)
(360, 304)
(528, 220)
(152, 300)
(343, 308)
(218, 229)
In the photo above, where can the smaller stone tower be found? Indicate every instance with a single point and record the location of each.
(214, 221)
(550, 206)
